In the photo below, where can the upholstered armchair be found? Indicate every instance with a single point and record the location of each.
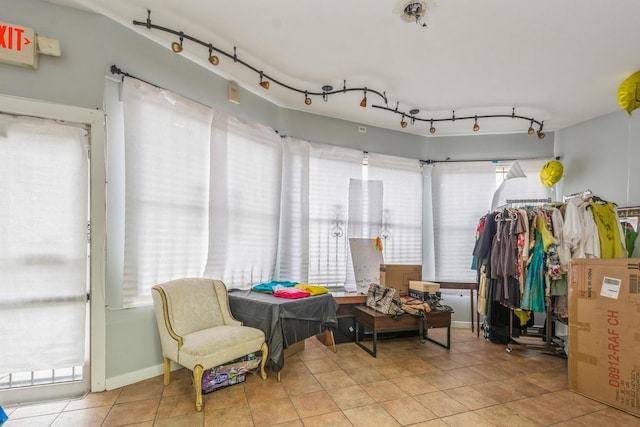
(198, 331)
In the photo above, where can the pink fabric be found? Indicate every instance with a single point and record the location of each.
(291, 293)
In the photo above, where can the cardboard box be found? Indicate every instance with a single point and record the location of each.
(604, 316)
(398, 276)
(421, 286)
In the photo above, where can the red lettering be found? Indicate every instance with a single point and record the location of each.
(3, 29)
(19, 32)
(10, 38)
(614, 383)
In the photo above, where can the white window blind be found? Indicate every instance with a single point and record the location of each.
(461, 194)
(167, 188)
(330, 169)
(293, 241)
(246, 179)
(43, 256)
(401, 230)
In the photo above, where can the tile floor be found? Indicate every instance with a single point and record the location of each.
(476, 383)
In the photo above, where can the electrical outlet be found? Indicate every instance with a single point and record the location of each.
(362, 129)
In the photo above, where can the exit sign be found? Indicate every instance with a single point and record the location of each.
(17, 45)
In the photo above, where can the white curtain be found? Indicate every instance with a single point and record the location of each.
(246, 177)
(461, 194)
(365, 218)
(401, 230)
(293, 242)
(167, 155)
(43, 255)
(330, 169)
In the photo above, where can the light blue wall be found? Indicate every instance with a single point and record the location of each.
(602, 155)
(599, 155)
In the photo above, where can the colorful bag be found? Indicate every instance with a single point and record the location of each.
(384, 300)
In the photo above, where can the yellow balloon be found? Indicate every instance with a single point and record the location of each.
(551, 173)
(629, 93)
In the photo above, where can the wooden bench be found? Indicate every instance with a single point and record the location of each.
(380, 323)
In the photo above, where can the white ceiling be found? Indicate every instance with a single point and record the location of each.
(558, 61)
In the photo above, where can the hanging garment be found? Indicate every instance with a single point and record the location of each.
(609, 230)
(533, 298)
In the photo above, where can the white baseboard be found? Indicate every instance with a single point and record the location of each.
(137, 376)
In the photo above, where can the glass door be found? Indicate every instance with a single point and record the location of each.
(44, 259)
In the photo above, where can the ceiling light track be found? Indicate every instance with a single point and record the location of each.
(265, 80)
(453, 118)
(264, 77)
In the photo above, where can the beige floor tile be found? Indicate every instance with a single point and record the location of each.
(229, 416)
(466, 419)
(369, 416)
(505, 416)
(470, 398)
(610, 417)
(381, 391)
(317, 366)
(173, 406)
(350, 397)
(38, 409)
(442, 380)
(413, 385)
(35, 421)
(441, 404)
(188, 420)
(144, 390)
(334, 379)
(333, 419)
(528, 408)
(394, 370)
(274, 411)
(364, 375)
(312, 404)
(132, 412)
(302, 384)
(92, 400)
(264, 390)
(82, 417)
(407, 411)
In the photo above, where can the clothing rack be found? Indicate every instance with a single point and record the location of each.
(547, 345)
(584, 195)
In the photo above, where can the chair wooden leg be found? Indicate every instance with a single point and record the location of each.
(167, 371)
(333, 341)
(265, 356)
(197, 382)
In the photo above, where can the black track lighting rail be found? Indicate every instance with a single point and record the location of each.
(327, 89)
(183, 36)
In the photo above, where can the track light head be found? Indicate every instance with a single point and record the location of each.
(176, 47)
(432, 129)
(214, 60)
(531, 130)
(541, 135)
(363, 103)
(264, 83)
(403, 123)
(476, 128)
(307, 100)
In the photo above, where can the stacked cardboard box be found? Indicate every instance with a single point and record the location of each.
(422, 290)
(398, 276)
(604, 314)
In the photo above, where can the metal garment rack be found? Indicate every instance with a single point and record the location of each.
(547, 345)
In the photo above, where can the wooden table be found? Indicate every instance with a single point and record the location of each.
(378, 322)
